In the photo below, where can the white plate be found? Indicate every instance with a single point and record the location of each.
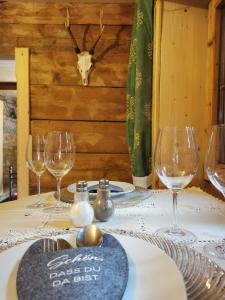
(152, 274)
(127, 187)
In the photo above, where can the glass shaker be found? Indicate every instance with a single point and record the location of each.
(81, 212)
(103, 204)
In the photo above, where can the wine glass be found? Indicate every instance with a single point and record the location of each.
(35, 161)
(60, 154)
(215, 169)
(176, 163)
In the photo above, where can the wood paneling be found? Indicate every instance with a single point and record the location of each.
(7, 86)
(91, 137)
(210, 111)
(193, 3)
(218, 3)
(91, 167)
(181, 97)
(23, 118)
(1, 143)
(59, 68)
(58, 31)
(106, 48)
(158, 21)
(58, 101)
(48, 12)
(48, 182)
(78, 103)
(116, 39)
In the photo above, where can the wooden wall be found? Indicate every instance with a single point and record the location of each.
(58, 101)
(180, 89)
(96, 114)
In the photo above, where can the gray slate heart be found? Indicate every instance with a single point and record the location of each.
(84, 273)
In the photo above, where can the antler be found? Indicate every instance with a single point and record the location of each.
(92, 50)
(67, 25)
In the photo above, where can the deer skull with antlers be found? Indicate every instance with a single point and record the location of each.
(84, 58)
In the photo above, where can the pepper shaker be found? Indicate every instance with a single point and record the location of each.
(103, 204)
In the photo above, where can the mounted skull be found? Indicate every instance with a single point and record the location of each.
(84, 58)
(84, 65)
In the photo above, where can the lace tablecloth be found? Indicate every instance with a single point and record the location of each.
(145, 211)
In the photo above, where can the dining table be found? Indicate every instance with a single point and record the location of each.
(137, 214)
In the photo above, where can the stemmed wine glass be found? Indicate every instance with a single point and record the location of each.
(176, 163)
(35, 160)
(215, 169)
(60, 154)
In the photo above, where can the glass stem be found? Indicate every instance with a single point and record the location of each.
(39, 189)
(175, 224)
(39, 185)
(58, 191)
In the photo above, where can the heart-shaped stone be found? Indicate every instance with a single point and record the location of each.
(84, 273)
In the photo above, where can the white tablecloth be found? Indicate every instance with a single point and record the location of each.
(198, 212)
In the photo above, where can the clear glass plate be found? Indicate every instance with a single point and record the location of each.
(203, 278)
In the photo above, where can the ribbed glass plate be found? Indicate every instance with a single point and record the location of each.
(204, 280)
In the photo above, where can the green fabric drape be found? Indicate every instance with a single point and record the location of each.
(139, 89)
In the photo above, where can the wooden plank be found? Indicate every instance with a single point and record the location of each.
(158, 13)
(193, 3)
(90, 167)
(109, 48)
(78, 103)
(1, 144)
(213, 64)
(48, 12)
(59, 68)
(92, 137)
(22, 76)
(183, 67)
(99, 161)
(56, 37)
(218, 3)
(8, 86)
(43, 31)
(48, 182)
(210, 109)
(85, 1)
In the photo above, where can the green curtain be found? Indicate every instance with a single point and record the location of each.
(139, 89)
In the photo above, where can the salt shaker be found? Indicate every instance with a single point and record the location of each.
(103, 204)
(81, 212)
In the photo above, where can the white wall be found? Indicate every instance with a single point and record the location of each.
(7, 70)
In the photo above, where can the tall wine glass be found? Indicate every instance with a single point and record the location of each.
(60, 154)
(35, 160)
(176, 163)
(215, 169)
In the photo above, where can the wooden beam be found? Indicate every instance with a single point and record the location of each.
(45, 12)
(158, 12)
(213, 57)
(52, 102)
(92, 137)
(194, 3)
(1, 145)
(7, 86)
(23, 98)
(89, 166)
(59, 68)
(219, 3)
(212, 71)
